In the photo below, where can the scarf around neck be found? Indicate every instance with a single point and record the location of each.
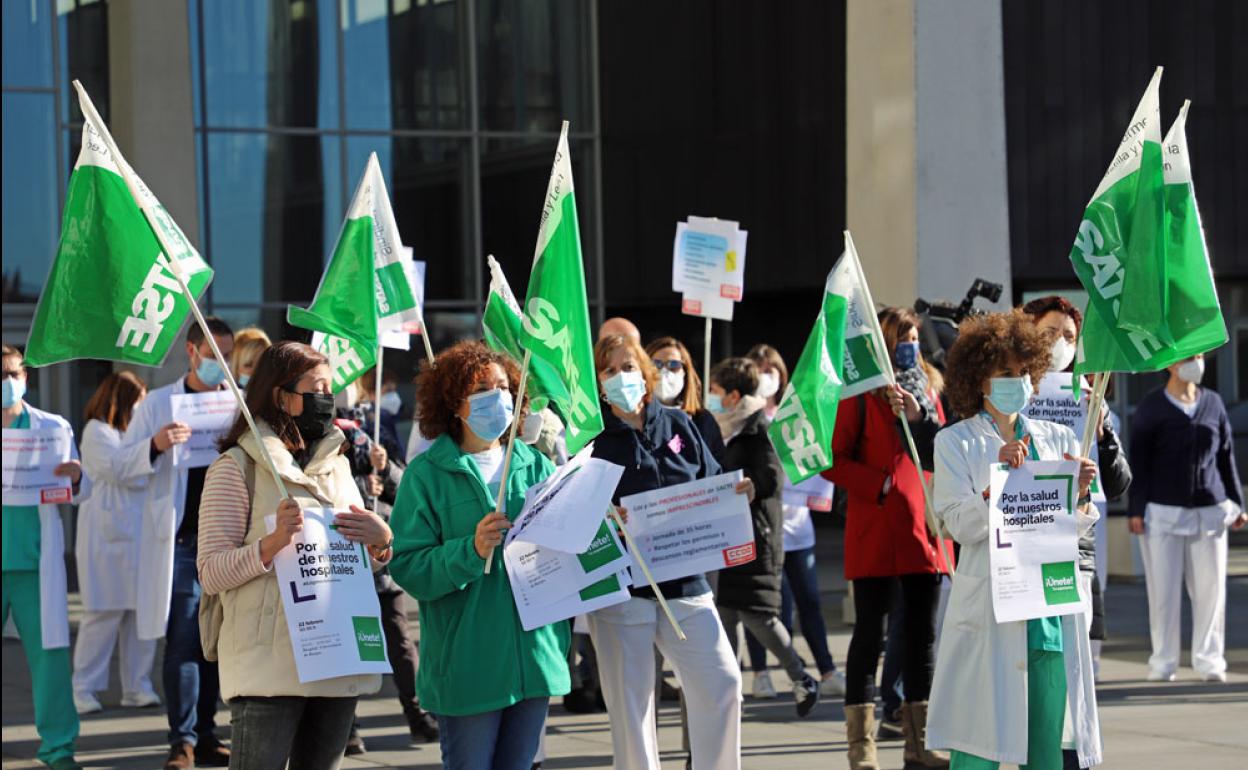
(730, 422)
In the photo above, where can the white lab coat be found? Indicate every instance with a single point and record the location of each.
(53, 584)
(109, 522)
(163, 505)
(978, 702)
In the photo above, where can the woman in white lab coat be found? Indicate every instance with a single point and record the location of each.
(107, 549)
(1017, 692)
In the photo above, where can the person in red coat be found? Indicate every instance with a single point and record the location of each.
(890, 556)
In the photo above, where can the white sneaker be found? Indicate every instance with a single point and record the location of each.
(832, 683)
(1216, 677)
(763, 688)
(1160, 676)
(86, 703)
(140, 700)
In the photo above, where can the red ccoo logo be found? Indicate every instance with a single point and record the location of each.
(739, 554)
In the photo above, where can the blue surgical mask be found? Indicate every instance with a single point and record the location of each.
(907, 355)
(1010, 394)
(243, 379)
(14, 391)
(625, 390)
(489, 413)
(714, 403)
(391, 402)
(210, 372)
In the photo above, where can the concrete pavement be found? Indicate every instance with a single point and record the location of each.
(1185, 724)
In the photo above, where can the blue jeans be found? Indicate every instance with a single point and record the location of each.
(506, 739)
(800, 587)
(191, 684)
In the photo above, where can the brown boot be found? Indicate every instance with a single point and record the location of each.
(181, 757)
(860, 730)
(914, 726)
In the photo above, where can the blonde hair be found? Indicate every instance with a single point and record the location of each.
(249, 345)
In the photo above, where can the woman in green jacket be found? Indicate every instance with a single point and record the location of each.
(486, 679)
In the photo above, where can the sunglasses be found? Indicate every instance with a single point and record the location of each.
(675, 365)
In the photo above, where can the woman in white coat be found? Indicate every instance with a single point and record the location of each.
(107, 549)
(1017, 692)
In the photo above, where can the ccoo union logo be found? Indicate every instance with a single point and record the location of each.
(739, 554)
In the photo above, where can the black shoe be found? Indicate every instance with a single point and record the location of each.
(669, 693)
(890, 727)
(423, 728)
(211, 753)
(355, 744)
(580, 702)
(806, 693)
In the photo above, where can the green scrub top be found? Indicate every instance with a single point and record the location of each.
(19, 549)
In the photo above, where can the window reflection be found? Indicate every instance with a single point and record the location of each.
(31, 220)
(27, 53)
(274, 211)
(83, 31)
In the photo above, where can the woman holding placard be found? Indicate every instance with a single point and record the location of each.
(1014, 692)
(486, 679)
(107, 549)
(680, 387)
(893, 561)
(658, 448)
(244, 522)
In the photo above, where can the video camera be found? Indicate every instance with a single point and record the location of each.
(941, 319)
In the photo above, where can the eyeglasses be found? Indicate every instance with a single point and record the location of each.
(675, 365)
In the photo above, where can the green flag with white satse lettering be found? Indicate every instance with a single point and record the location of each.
(841, 359)
(1141, 256)
(111, 294)
(555, 328)
(365, 288)
(502, 327)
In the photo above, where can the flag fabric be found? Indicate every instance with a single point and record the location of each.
(555, 327)
(111, 293)
(347, 359)
(502, 326)
(841, 359)
(365, 289)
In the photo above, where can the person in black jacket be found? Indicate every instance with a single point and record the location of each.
(658, 448)
(749, 593)
(680, 387)
(1185, 497)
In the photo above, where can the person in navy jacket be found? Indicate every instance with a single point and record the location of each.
(1185, 495)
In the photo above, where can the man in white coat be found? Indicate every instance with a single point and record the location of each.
(168, 600)
(34, 581)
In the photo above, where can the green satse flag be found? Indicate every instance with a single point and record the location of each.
(110, 294)
(556, 318)
(347, 359)
(502, 326)
(1119, 254)
(840, 360)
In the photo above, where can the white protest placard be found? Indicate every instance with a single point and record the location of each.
(332, 612)
(707, 306)
(209, 416)
(814, 493)
(541, 577)
(1063, 400)
(1032, 542)
(605, 593)
(708, 259)
(566, 511)
(690, 528)
(30, 456)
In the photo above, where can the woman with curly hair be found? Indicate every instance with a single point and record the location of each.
(1012, 692)
(486, 679)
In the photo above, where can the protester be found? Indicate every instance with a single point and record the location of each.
(34, 581)
(486, 679)
(168, 591)
(377, 475)
(749, 594)
(660, 447)
(390, 406)
(620, 326)
(986, 704)
(1063, 321)
(680, 387)
(107, 550)
(799, 586)
(887, 540)
(274, 717)
(249, 344)
(1185, 497)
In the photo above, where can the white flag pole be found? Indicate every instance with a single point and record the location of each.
(706, 362)
(511, 446)
(377, 398)
(882, 360)
(614, 515)
(88, 110)
(1100, 382)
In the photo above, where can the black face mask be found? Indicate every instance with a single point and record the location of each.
(317, 416)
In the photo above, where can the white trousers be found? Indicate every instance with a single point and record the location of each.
(1199, 562)
(97, 634)
(624, 637)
